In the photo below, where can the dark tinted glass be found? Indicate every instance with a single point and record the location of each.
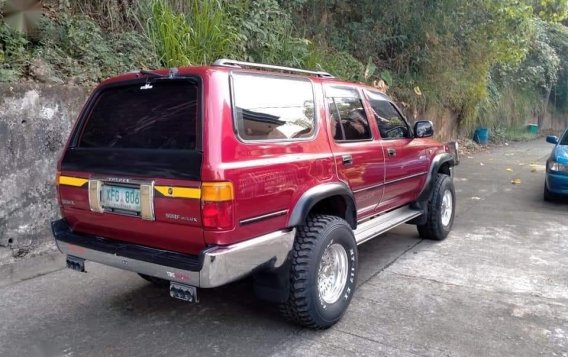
(348, 119)
(272, 108)
(564, 140)
(161, 117)
(390, 122)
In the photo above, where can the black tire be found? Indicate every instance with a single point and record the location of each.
(156, 281)
(305, 304)
(434, 228)
(547, 195)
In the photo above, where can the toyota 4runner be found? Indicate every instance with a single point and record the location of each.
(200, 176)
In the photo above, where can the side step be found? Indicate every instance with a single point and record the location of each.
(380, 224)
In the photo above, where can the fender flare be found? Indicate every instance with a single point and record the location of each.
(315, 194)
(435, 166)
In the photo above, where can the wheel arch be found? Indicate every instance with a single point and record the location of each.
(442, 163)
(330, 198)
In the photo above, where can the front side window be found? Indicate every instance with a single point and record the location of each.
(272, 108)
(161, 116)
(348, 118)
(391, 124)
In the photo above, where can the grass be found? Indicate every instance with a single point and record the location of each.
(501, 135)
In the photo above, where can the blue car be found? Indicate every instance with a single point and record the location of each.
(556, 183)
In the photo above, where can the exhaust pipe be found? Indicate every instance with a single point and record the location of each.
(75, 263)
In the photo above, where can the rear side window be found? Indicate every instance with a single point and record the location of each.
(161, 116)
(272, 108)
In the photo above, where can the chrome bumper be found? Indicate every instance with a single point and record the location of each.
(221, 265)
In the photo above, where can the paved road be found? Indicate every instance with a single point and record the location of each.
(498, 286)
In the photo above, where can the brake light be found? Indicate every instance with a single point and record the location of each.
(217, 199)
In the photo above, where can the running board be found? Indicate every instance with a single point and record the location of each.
(380, 224)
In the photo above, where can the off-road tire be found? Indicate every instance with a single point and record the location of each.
(434, 228)
(304, 305)
(156, 281)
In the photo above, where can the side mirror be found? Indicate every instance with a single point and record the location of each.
(423, 129)
(552, 139)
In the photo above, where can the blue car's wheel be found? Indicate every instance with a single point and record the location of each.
(548, 196)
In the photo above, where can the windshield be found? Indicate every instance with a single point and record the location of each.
(158, 116)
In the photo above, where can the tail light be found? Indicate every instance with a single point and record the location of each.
(217, 201)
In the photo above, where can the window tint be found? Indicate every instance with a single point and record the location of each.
(161, 117)
(564, 140)
(391, 124)
(271, 108)
(348, 119)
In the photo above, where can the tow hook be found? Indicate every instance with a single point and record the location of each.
(183, 292)
(75, 263)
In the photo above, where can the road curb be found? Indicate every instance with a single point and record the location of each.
(29, 268)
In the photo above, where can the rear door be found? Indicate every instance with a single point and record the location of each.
(359, 159)
(132, 169)
(406, 159)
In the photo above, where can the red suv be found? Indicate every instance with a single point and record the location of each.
(200, 176)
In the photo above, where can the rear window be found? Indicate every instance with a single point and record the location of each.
(160, 116)
(272, 108)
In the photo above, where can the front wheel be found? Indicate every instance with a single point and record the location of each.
(323, 272)
(441, 210)
(547, 194)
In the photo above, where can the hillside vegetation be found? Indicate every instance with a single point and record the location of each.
(493, 63)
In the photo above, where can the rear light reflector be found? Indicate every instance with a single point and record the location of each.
(147, 202)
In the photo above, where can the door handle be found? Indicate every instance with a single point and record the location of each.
(391, 152)
(347, 159)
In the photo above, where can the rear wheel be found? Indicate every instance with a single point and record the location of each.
(323, 272)
(441, 210)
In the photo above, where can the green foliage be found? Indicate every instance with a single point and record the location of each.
(198, 35)
(551, 10)
(14, 55)
(77, 47)
(493, 63)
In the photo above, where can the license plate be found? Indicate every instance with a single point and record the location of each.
(124, 198)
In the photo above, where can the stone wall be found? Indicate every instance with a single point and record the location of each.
(34, 123)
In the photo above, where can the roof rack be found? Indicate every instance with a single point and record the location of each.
(239, 64)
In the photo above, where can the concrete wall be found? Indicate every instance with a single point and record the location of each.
(34, 124)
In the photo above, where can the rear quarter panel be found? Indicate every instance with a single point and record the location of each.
(268, 177)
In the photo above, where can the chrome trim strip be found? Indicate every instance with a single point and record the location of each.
(365, 209)
(263, 217)
(406, 178)
(369, 187)
(390, 182)
(221, 265)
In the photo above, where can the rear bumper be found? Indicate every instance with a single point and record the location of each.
(214, 267)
